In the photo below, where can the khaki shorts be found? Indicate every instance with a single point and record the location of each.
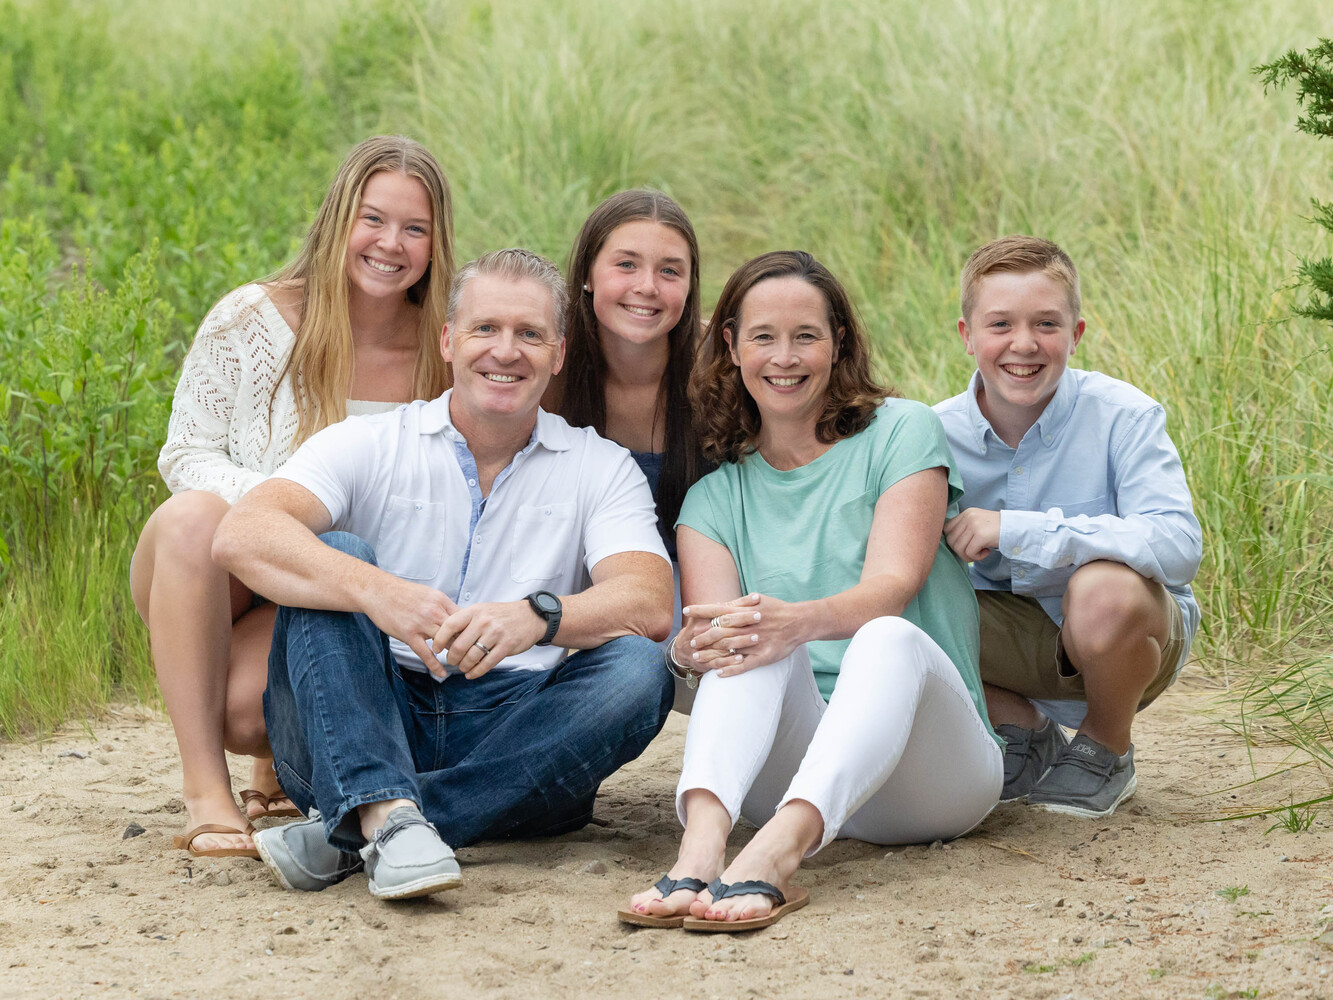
(1022, 650)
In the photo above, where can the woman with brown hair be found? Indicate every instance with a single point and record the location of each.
(844, 700)
(351, 326)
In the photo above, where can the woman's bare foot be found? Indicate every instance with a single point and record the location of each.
(262, 779)
(772, 856)
(694, 861)
(221, 811)
(703, 848)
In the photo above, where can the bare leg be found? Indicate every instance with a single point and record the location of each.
(1116, 624)
(772, 856)
(702, 850)
(244, 733)
(1007, 708)
(187, 603)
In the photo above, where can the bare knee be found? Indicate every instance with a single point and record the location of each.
(243, 728)
(184, 528)
(1108, 605)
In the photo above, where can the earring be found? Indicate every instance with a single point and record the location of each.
(586, 288)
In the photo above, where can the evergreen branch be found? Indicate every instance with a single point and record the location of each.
(1313, 75)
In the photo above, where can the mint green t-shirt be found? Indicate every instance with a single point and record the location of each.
(802, 535)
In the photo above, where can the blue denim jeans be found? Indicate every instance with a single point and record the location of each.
(514, 753)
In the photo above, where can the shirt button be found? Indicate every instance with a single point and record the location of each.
(418, 506)
(1047, 439)
(1018, 470)
(1016, 550)
(467, 596)
(1020, 573)
(472, 482)
(548, 511)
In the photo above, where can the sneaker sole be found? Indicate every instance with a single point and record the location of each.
(273, 869)
(424, 886)
(278, 877)
(1024, 796)
(1072, 810)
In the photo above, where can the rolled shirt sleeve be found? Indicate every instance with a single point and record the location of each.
(1152, 529)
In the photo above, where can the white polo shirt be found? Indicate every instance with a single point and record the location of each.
(405, 483)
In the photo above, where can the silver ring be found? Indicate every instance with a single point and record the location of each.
(484, 649)
(717, 622)
(731, 651)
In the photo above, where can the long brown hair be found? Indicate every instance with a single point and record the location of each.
(321, 359)
(583, 389)
(726, 416)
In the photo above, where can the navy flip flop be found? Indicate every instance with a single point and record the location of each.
(666, 885)
(793, 899)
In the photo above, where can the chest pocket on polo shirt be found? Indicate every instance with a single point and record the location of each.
(411, 542)
(541, 541)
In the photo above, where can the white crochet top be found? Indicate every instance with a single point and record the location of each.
(219, 436)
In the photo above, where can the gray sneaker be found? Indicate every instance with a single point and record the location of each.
(300, 857)
(1088, 780)
(407, 858)
(1029, 754)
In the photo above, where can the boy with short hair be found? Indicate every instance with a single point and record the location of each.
(1080, 530)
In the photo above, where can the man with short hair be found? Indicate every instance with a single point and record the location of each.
(417, 684)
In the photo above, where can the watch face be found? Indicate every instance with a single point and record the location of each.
(548, 604)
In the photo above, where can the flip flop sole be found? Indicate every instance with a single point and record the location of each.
(185, 842)
(648, 920)
(795, 900)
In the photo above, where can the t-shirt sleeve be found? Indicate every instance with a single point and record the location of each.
(914, 440)
(700, 509)
(622, 516)
(336, 465)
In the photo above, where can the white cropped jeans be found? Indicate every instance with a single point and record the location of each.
(897, 756)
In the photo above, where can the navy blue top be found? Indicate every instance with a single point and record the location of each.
(650, 464)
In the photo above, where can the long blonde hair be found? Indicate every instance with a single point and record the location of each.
(321, 360)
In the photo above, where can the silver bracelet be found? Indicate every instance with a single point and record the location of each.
(678, 669)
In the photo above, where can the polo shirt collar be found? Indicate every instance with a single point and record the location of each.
(551, 432)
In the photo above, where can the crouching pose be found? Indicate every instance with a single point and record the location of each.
(428, 699)
(1080, 529)
(827, 511)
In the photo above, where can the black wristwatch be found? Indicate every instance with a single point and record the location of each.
(548, 606)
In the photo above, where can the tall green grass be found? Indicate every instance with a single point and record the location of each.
(888, 138)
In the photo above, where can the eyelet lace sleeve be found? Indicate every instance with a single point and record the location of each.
(219, 437)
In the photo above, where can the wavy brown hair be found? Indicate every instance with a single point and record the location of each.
(582, 385)
(322, 356)
(726, 416)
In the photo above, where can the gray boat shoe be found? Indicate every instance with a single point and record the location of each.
(1088, 780)
(300, 858)
(407, 858)
(1029, 755)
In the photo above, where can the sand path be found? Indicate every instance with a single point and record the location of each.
(1029, 905)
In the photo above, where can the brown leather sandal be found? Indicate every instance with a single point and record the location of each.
(249, 795)
(185, 842)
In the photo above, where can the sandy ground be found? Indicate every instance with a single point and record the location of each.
(1029, 905)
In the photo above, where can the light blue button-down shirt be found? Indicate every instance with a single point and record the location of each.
(1096, 477)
